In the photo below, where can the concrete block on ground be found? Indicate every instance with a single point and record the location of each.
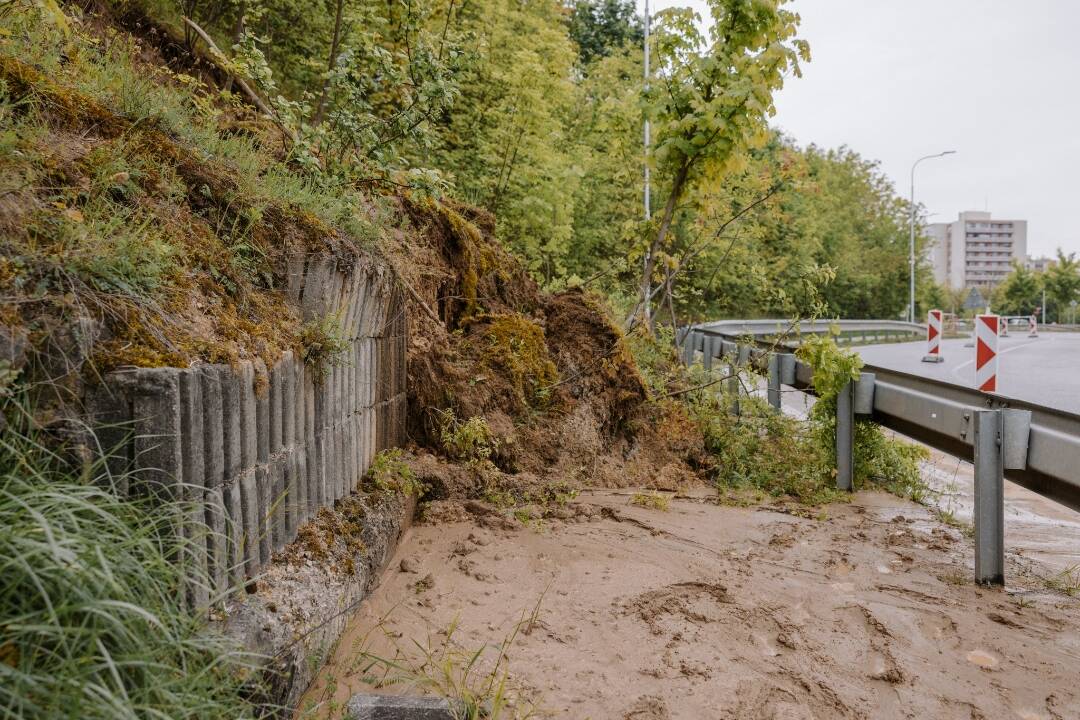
(288, 400)
(195, 534)
(155, 406)
(300, 372)
(277, 502)
(399, 707)
(318, 289)
(292, 501)
(109, 411)
(213, 442)
(295, 270)
(315, 497)
(305, 509)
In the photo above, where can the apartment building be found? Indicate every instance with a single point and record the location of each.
(975, 249)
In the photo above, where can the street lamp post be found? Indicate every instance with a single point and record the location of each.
(911, 253)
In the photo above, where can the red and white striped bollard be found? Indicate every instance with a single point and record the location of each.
(933, 337)
(986, 352)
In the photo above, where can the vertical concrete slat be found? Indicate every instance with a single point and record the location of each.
(193, 489)
(229, 382)
(213, 444)
(155, 406)
(217, 548)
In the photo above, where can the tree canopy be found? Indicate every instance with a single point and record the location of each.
(534, 111)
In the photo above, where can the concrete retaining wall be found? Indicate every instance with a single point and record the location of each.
(255, 451)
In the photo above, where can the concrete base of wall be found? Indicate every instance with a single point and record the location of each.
(300, 608)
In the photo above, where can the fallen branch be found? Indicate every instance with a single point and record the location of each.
(252, 95)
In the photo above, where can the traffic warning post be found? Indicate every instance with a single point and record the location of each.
(933, 337)
(986, 352)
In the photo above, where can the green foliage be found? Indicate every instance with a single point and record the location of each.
(324, 344)
(389, 473)
(471, 440)
(652, 500)
(833, 368)
(602, 27)
(92, 616)
(1020, 293)
(1062, 281)
(880, 459)
(766, 451)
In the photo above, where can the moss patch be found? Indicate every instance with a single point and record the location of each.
(517, 345)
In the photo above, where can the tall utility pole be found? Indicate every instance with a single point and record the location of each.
(911, 253)
(648, 208)
(647, 194)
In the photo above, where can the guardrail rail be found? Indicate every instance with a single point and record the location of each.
(1034, 446)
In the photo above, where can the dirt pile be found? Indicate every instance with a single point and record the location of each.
(547, 377)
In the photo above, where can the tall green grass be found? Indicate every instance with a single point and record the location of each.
(93, 622)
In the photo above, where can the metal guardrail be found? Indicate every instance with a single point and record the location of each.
(1034, 446)
(867, 329)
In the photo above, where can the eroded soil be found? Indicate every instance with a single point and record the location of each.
(708, 611)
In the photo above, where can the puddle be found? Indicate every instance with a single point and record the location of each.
(983, 659)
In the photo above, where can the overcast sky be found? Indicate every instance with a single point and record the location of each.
(996, 80)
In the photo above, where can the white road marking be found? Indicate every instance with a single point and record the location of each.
(956, 370)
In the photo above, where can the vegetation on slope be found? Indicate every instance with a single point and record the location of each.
(93, 623)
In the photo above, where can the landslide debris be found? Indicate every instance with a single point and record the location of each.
(543, 385)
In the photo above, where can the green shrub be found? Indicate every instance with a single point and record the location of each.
(92, 617)
(880, 459)
(470, 440)
(324, 345)
(389, 473)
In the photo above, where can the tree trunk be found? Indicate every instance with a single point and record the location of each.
(330, 63)
(644, 305)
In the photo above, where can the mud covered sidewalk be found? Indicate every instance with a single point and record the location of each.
(707, 611)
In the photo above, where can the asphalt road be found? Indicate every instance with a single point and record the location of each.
(1043, 370)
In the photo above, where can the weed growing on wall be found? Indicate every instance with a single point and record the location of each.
(324, 344)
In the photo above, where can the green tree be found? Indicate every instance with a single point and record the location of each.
(1020, 292)
(1062, 280)
(602, 27)
(709, 102)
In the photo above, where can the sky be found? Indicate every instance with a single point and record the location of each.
(998, 81)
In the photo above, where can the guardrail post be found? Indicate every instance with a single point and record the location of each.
(707, 352)
(733, 388)
(774, 381)
(989, 499)
(845, 438)
(688, 348)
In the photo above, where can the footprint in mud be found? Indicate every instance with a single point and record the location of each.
(939, 628)
(647, 707)
(693, 602)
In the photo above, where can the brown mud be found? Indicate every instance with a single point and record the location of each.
(709, 611)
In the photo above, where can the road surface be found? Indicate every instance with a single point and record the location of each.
(1043, 370)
